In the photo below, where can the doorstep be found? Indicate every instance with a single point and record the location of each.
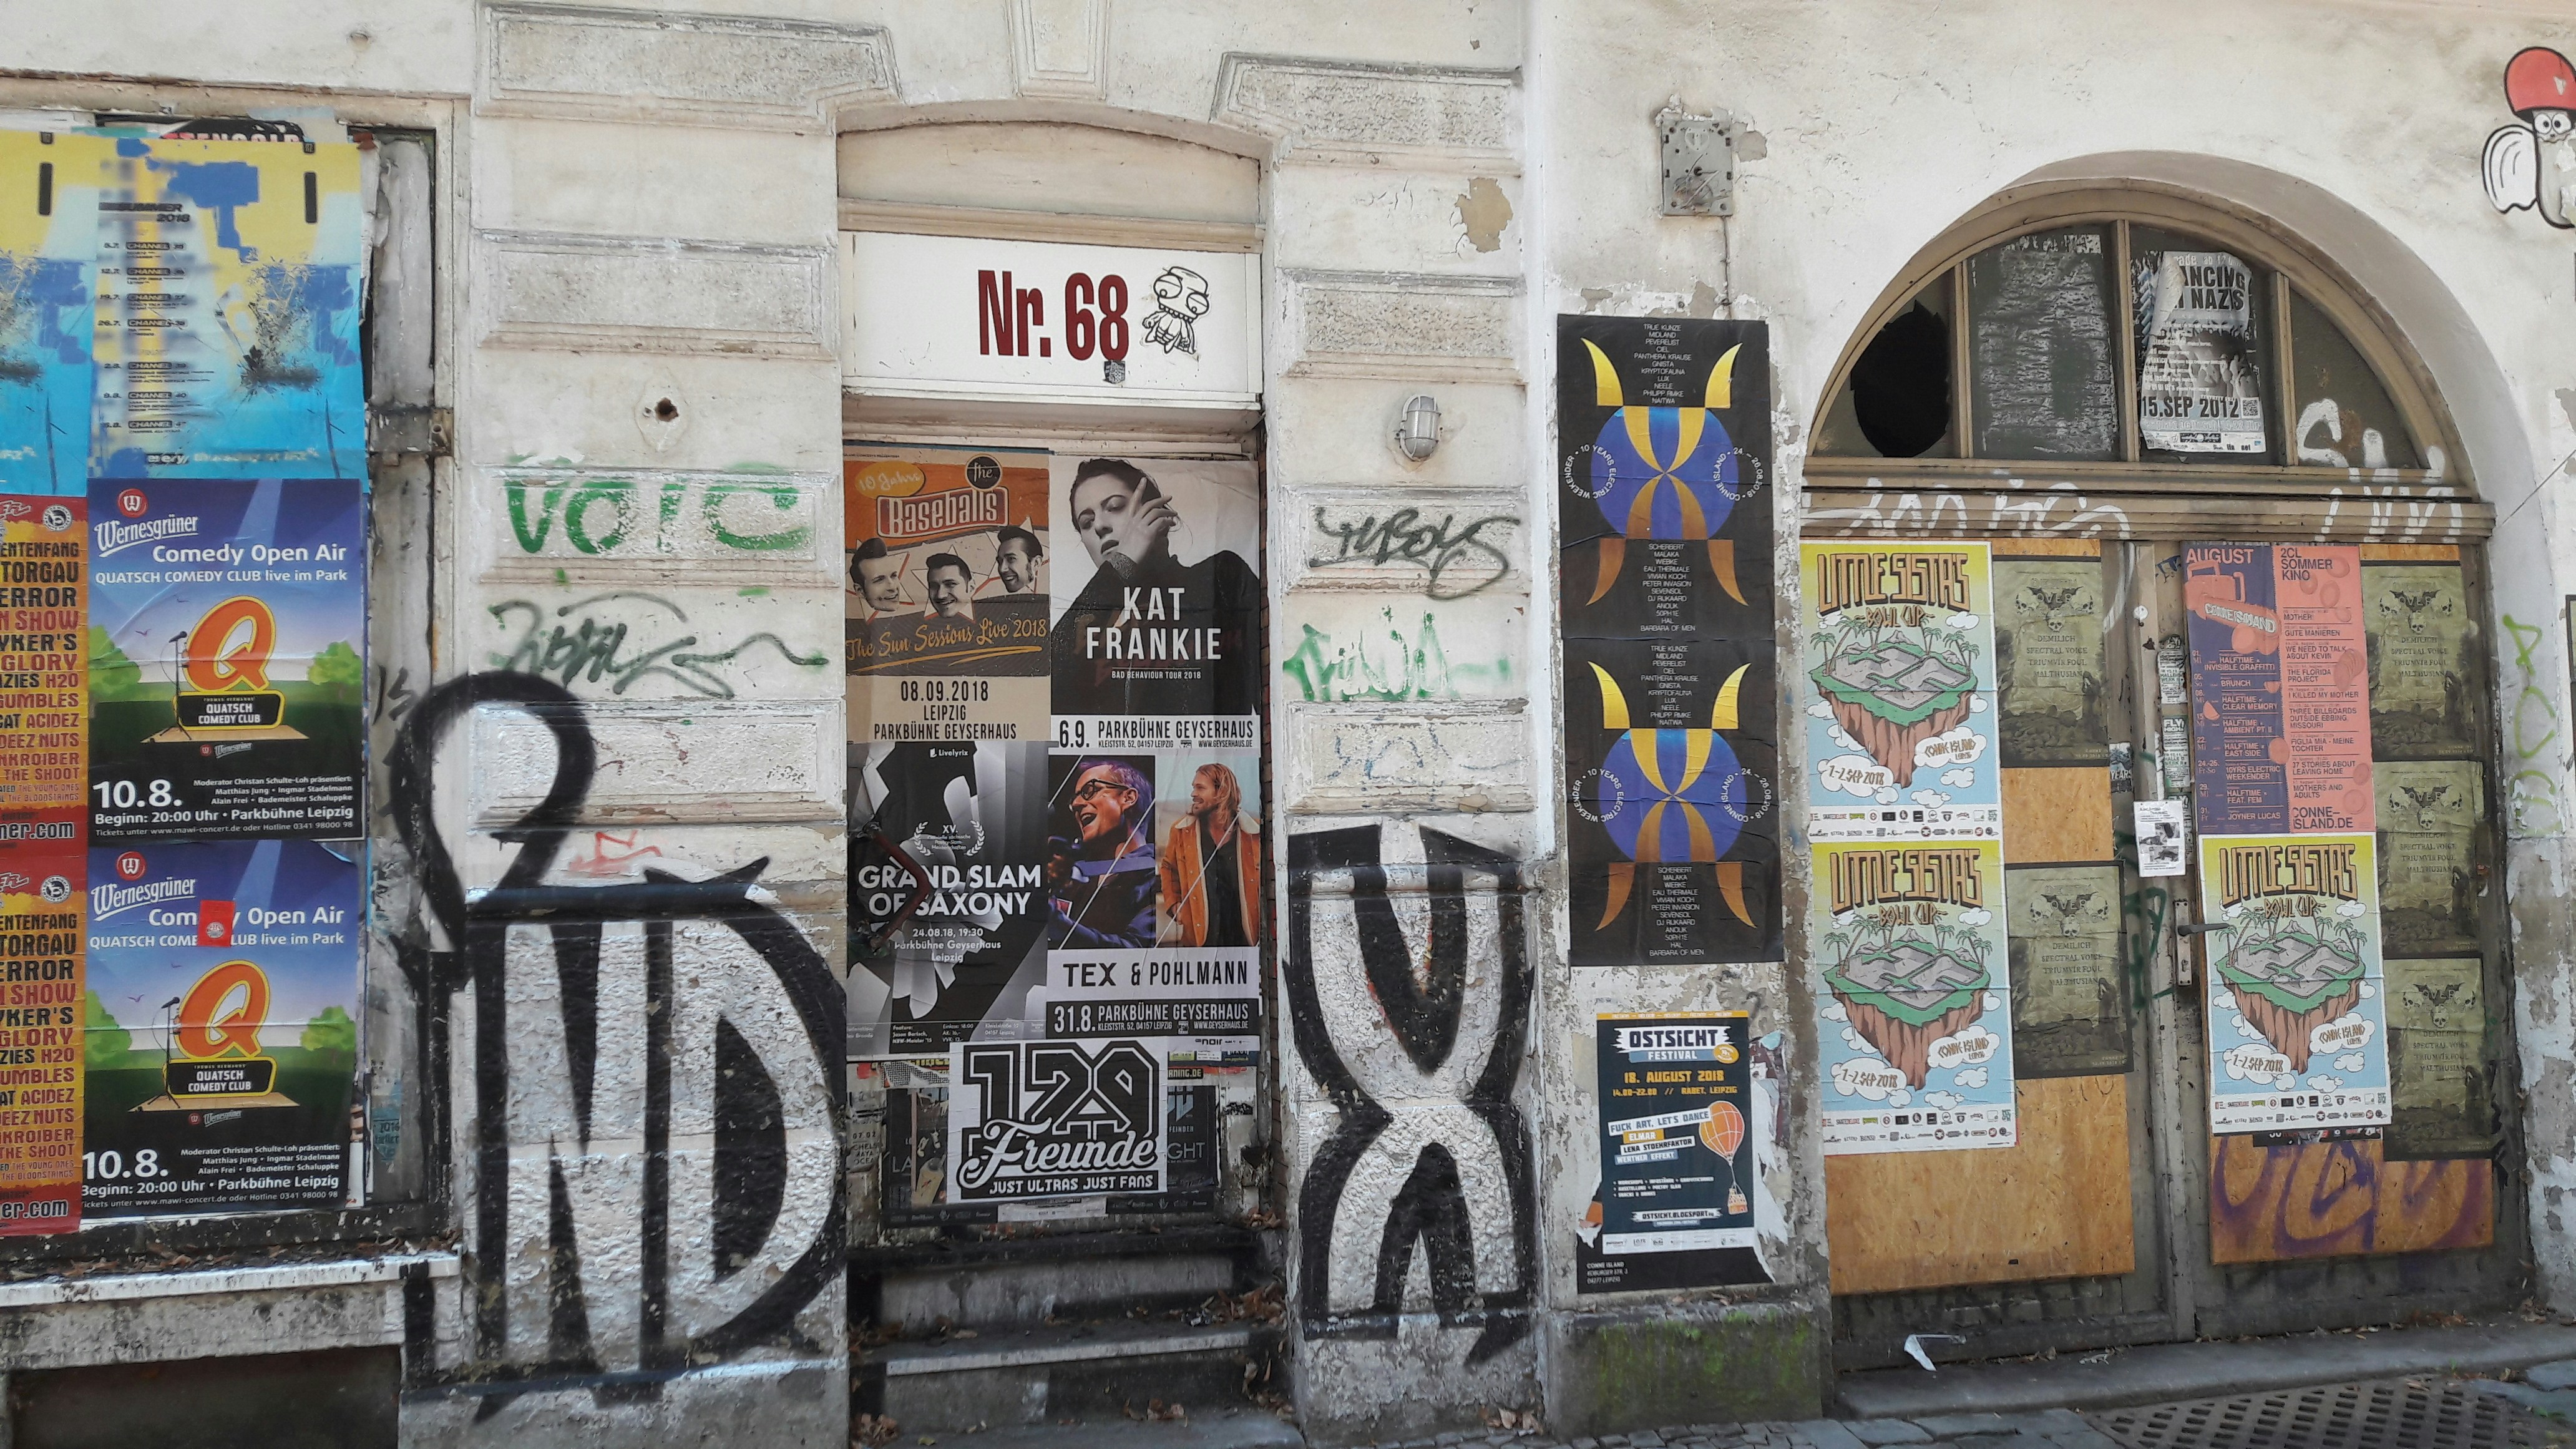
(2158, 1373)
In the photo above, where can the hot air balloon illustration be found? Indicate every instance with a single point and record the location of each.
(1667, 473)
(1675, 796)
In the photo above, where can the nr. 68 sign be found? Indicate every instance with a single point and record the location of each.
(955, 316)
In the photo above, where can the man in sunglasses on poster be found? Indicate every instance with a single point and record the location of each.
(1102, 882)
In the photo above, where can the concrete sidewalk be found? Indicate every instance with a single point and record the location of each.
(2023, 1404)
(2161, 1372)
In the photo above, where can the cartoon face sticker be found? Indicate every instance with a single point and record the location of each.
(2533, 165)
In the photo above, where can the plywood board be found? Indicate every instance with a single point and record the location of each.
(2337, 1199)
(2054, 816)
(2054, 1206)
(2048, 548)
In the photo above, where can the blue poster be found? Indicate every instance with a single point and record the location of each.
(222, 1038)
(229, 276)
(48, 276)
(227, 637)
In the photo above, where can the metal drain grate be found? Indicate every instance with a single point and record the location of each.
(2401, 1415)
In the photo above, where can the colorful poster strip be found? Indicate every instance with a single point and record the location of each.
(229, 283)
(1911, 944)
(1077, 765)
(49, 274)
(2297, 1005)
(1672, 768)
(44, 1005)
(222, 1035)
(44, 653)
(1899, 695)
(227, 664)
(2280, 687)
(1675, 1206)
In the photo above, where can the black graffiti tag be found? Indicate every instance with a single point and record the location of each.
(1459, 560)
(1431, 1207)
(749, 1149)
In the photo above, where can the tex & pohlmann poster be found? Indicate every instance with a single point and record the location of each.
(1672, 775)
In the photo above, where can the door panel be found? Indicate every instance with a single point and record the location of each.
(2329, 1199)
(2054, 1205)
(2028, 1248)
(2290, 1236)
(2051, 1242)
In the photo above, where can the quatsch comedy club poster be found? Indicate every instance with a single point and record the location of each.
(226, 672)
(1059, 723)
(1672, 765)
(222, 1042)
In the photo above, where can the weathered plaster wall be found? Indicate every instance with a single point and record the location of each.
(637, 334)
(2355, 126)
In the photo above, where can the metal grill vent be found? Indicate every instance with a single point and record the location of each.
(2404, 1415)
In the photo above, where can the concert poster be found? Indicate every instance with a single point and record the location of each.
(945, 594)
(1675, 1208)
(2280, 687)
(1666, 609)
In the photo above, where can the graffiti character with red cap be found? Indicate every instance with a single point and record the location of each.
(2534, 164)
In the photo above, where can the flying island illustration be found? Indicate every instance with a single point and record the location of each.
(1905, 989)
(1893, 680)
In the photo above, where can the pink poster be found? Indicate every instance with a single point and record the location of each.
(2280, 688)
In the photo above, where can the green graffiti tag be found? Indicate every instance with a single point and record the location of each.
(1386, 665)
(2531, 792)
(600, 515)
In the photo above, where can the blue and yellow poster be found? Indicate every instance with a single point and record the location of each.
(48, 270)
(227, 629)
(222, 1038)
(1672, 774)
(229, 279)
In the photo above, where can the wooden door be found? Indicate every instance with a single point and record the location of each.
(2118, 1217)
(2050, 1242)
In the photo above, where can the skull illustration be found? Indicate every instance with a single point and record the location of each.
(1180, 299)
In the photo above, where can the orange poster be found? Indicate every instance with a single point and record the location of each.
(44, 654)
(41, 1009)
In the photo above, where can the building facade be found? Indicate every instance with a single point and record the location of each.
(717, 357)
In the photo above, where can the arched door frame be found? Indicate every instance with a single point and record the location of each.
(2334, 292)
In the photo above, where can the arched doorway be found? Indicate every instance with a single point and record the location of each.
(2077, 385)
